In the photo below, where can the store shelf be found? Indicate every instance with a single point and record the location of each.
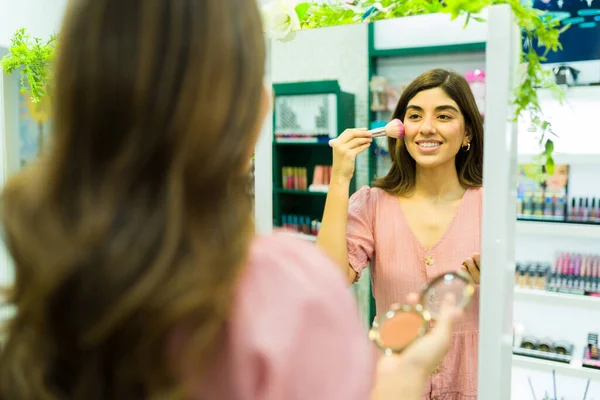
(291, 142)
(558, 229)
(300, 192)
(570, 159)
(302, 236)
(557, 299)
(574, 369)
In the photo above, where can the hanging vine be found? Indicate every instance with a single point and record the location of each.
(541, 32)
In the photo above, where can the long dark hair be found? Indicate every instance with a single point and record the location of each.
(400, 180)
(137, 220)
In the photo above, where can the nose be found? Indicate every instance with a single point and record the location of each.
(427, 127)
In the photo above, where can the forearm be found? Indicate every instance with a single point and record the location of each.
(395, 385)
(332, 235)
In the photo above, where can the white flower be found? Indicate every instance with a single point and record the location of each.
(281, 20)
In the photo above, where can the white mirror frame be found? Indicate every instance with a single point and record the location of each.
(499, 209)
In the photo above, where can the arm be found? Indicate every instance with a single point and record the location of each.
(333, 234)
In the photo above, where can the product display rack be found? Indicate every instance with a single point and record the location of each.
(306, 153)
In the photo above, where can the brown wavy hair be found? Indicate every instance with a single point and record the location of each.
(137, 220)
(400, 179)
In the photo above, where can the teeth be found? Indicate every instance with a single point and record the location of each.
(429, 144)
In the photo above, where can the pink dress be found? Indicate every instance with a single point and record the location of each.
(379, 234)
(295, 333)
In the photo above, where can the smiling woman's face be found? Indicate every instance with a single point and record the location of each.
(434, 128)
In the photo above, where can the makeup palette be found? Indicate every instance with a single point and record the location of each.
(403, 324)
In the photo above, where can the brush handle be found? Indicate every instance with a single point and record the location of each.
(377, 132)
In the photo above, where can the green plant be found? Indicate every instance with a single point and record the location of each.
(540, 30)
(32, 57)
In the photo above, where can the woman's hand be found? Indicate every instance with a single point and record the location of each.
(472, 265)
(404, 375)
(346, 147)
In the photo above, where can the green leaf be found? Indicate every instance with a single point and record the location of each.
(549, 165)
(301, 10)
(549, 147)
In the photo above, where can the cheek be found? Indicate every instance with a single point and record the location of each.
(410, 131)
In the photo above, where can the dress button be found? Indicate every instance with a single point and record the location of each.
(429, 261)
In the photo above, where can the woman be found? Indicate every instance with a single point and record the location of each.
(423, 218)
(137, 271)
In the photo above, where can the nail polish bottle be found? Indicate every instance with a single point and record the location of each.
(573, 213)
(560, 205)
(548, 204)
(585, 212)
(593, 211)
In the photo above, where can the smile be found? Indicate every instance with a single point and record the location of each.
(427, 146)
(429, 143)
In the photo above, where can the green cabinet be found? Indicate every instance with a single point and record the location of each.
(306, 116)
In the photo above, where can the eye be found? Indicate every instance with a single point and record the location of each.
(413, 116)
(445, 117)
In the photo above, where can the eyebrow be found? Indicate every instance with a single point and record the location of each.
(438, 108)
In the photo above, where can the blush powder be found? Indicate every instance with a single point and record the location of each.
(401, 329)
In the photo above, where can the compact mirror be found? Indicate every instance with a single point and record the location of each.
(403, 324)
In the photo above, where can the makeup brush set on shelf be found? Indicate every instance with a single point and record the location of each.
(554, 391)
(572, 273)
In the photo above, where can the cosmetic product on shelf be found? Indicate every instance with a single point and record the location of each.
(584, 209)
(590, 352)
(572, 273)
(293, 178)
(301, 224)
(543, 348)
(542, 200)
(532, 275)
(540, 205)
(321, 178)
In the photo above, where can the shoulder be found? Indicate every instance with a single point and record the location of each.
(291, 273)
(476, 193)
(367, 196)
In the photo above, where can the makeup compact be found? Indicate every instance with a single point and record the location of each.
(403, 324)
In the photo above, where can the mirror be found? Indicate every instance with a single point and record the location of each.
(328, 80)
(409, 221)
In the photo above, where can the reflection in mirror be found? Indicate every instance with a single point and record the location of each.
(394, 212)
(403, 324)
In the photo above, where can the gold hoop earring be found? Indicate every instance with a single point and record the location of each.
(467, 147)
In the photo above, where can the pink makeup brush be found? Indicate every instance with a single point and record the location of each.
(393, 129)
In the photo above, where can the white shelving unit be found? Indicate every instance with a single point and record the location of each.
(561, 158)
(573, 370)
(558, 299)
(544, 229)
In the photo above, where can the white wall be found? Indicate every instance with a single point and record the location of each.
(40, 17)
(338, 53)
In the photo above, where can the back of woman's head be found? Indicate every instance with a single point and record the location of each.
(400, 179)
(136, 221)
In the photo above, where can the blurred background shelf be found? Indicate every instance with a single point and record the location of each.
(558, 299)
(558, 229)
(574, 369)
